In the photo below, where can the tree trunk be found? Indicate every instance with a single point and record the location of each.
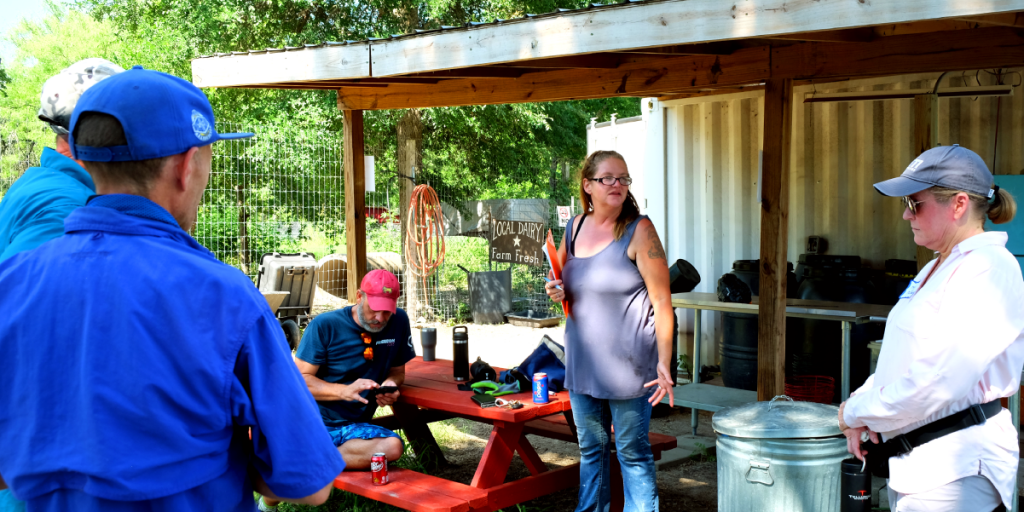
(410, 159)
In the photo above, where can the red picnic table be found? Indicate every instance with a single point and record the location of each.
(429, 394)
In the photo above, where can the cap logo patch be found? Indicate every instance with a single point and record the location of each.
(386, 289)
(201, 126)
(914, 165)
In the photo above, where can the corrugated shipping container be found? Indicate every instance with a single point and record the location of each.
(703, 158)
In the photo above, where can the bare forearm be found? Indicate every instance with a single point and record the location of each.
(324, 391)
(664, 325)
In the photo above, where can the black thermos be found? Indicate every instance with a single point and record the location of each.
(460, 352)
(854, 487)
(428, 338)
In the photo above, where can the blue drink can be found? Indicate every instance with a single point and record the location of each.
(540, 388)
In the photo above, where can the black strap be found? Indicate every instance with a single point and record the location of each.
(973, 415)
(572, 240)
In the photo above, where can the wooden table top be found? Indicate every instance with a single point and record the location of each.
(432, 385)
(800, 308)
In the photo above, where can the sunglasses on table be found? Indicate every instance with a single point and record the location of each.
(610, 180)
(910, 204)
(368, 342)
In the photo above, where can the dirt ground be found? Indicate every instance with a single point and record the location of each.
(691, 485)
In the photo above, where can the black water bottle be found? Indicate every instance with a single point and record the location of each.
(460, 353)
(854, 487)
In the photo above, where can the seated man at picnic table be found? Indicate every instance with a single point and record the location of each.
(345, 355)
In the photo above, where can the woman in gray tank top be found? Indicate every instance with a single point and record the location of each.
(618, 337)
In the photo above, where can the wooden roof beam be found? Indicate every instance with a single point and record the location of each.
(657, 24)
(631, 79)
(260, 70)
(854, 35)
(480, 72)
(1009, 19)
(397, 80)
(596, 61)
(920, 27)
(722, 48)
(920, 53)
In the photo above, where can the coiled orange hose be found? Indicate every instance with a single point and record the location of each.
(424, 243)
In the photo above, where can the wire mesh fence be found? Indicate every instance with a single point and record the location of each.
(277, 192)
(283, 191)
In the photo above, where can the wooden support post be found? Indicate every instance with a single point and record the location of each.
(410, 139)
(771, 320)
(355, 201)
(926, 136)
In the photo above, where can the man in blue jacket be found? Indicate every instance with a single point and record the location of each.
(159, 379)
(34, 208)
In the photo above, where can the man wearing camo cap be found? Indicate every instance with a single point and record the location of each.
(33, 210)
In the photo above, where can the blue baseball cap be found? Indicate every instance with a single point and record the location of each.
(953, 167)
(161, 114)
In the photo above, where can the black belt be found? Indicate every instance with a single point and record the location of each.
(969, 417)
(878, 454)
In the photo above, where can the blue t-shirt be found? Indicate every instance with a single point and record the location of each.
(332, 341)
(137, 366)
(34, 209)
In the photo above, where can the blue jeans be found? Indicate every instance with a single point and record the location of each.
(632, 418)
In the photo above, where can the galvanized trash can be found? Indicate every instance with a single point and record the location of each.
(779, 456)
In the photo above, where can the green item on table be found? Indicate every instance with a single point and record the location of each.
(486, 387)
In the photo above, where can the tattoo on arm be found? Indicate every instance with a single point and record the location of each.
(654, 251)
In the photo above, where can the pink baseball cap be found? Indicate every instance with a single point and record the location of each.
(382, 289)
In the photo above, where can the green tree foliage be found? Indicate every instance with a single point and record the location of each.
(42, 50)
(480, 152)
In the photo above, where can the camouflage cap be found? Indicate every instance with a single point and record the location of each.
(61, 91)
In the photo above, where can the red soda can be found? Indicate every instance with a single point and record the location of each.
(379, 468)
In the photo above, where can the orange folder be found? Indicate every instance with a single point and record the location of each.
(556, 266)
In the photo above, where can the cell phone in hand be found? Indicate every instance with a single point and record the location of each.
(385, 390)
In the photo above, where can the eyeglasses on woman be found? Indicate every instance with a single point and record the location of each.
(610, 180)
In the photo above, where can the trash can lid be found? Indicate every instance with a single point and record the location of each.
(781, 418)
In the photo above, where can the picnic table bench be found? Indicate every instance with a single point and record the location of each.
(430, 394)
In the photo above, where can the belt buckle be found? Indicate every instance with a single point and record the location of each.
(903, 445)
(977, 414)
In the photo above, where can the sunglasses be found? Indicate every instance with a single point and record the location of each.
(910, 204)
(368, 352)
(610, 180)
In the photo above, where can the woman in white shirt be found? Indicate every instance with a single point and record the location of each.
(954, 342)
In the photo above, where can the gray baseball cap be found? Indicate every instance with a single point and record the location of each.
(952, 167)
(61, 91)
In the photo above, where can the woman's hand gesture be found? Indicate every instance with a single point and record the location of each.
(664, 384)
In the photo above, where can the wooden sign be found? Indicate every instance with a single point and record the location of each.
(513, 241)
